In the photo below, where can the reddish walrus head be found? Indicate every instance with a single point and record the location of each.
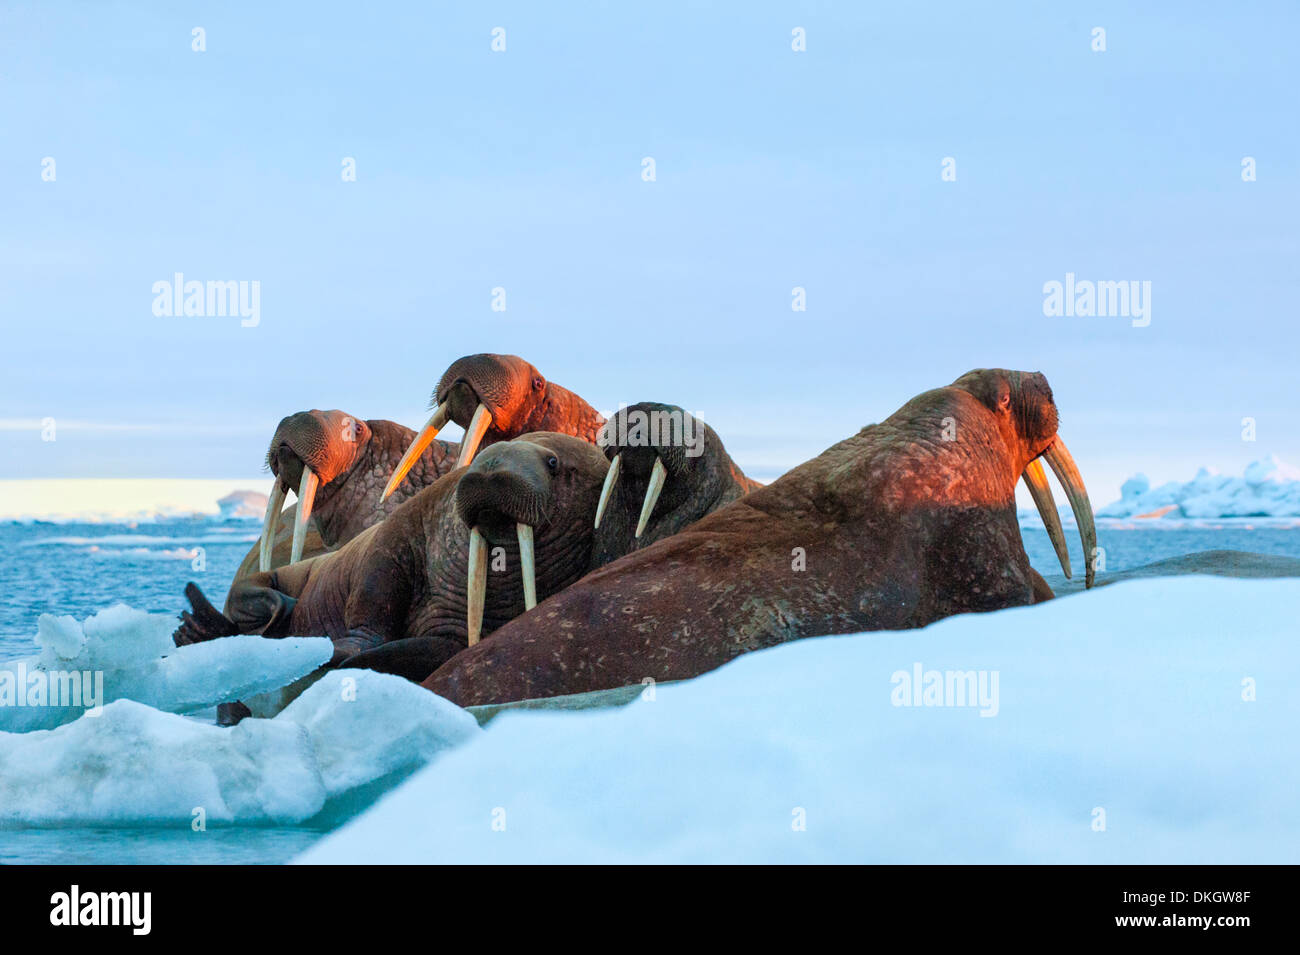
(908, 521)
(337, 464)
(498, 398)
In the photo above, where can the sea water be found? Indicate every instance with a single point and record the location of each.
(79, 569)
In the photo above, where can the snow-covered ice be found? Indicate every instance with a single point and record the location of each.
(133, 651)
(1163, 709)
(350, 733)
(1267, 488)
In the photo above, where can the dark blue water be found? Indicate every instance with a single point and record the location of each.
(79, 569)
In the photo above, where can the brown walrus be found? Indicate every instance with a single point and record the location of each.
(497, 398)
(350, 474)
(338, 465)
(420, 578)
(667, 470)
(908, 521)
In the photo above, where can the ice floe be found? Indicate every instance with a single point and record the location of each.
(242, 505)
(1268, 489)
(347, 737)
(123, 653)
(1150, 721)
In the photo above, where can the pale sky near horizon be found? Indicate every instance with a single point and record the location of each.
(522, 169)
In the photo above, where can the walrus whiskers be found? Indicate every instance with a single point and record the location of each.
(476, 588)
(422, 440)
(658, 475)
(270, 524)
(1035, 479)
(607, 490)
(1067, 472)
(306, 496)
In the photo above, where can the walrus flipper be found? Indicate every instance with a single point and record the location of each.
(203, 621)
(414, 657)
(1042, 589)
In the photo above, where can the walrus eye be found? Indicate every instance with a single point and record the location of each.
(537, 383)
(1005, 401)
(553, 463)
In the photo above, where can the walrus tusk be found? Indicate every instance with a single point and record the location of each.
(1067, 472)
(306, 495)
(611, 478)
(476, 589)
(658, 475)
(1036, 480)
(527, 565)
(478, 426)
(422, 440)
(274, 504)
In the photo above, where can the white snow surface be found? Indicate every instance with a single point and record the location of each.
(1128, 701)
(1267, 488)
(135, 765)
(133, 650)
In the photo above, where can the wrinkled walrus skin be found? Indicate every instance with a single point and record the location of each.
(895, 527)
(405, 579)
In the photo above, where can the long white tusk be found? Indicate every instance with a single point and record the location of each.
(306, 496)
(1067, 472)
(1036, 480)
(270, 525)
(422, 441)
(527, 565)
(478, 426)
(658, 474)
(611, 478)
(476, 587)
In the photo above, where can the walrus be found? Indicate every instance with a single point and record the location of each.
(419, 580)
(497, 398)
(907, 521)
(350, 474)
(667, 470)
(338, 465)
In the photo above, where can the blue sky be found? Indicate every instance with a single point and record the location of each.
(522, 169)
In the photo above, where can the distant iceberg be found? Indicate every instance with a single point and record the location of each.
(130, 501)
(242, 505)
(1268, 488)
